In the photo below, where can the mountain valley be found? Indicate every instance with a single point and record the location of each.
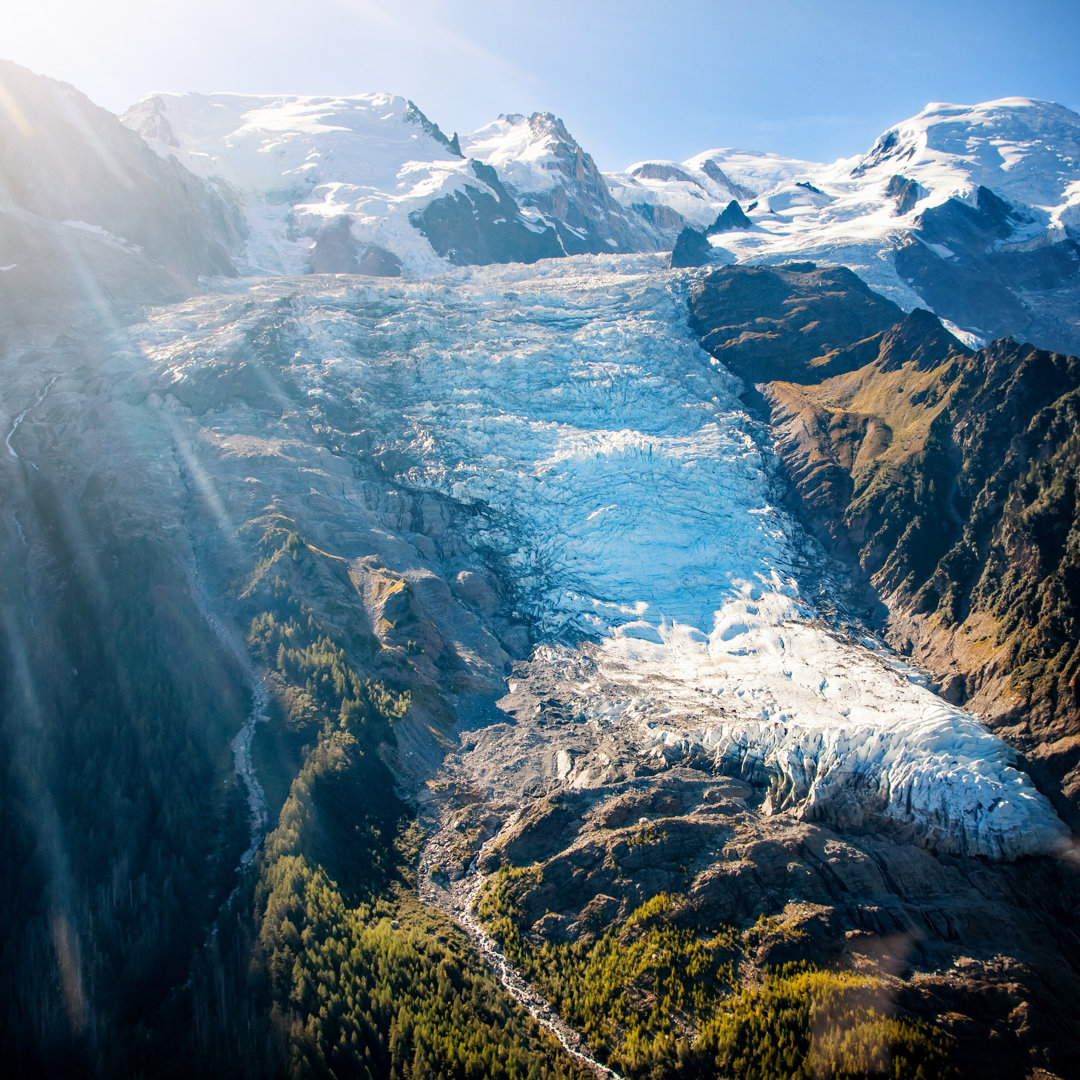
(430, 613)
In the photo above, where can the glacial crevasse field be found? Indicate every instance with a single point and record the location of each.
(617, 476)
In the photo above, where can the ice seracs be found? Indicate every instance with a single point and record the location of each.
(841, 733)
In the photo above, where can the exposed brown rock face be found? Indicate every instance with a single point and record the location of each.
(770, 323)
(944, 934)
(949, 475)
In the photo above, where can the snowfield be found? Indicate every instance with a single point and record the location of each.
(619, 478)
(299, 163)
(347, 173)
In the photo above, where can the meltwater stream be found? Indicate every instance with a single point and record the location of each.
(459, 902)
(38, 399)
(243, 763)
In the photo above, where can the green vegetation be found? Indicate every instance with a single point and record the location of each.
(805, 1025)
(359, 979)
(368, 984)
(323, 964)
(659, 996)
(121, 820)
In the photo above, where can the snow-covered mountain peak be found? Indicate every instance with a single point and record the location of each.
(1024, 149)
(254, 141)
(327, 183)
(753, 170)
(546, 169)
(707, 176)
(529, 152)
(367, 183)
(672, 194)
(534, 153)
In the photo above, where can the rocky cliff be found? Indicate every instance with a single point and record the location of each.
(551, 174)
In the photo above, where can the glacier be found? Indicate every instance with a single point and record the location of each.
(633, 503)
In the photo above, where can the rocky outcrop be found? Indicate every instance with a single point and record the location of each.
(731, 217)
(335, 251)
(906, 192)
(483, 224)
(414, 115)
(784, 322)
(692, 248)
(968, 266)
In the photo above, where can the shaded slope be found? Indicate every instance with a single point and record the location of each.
(88, 210)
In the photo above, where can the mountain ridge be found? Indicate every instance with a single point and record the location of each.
(930, 465)
(912, 237)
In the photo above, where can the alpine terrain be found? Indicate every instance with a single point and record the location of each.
(470, 615)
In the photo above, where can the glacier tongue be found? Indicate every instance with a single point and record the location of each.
(841, 732)
(626, 485)
(617, 478)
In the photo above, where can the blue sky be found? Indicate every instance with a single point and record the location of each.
(632, 79)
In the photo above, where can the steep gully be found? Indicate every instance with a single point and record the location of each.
(241, 743)
(258, 812)
(16, 422)
(458, 901)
